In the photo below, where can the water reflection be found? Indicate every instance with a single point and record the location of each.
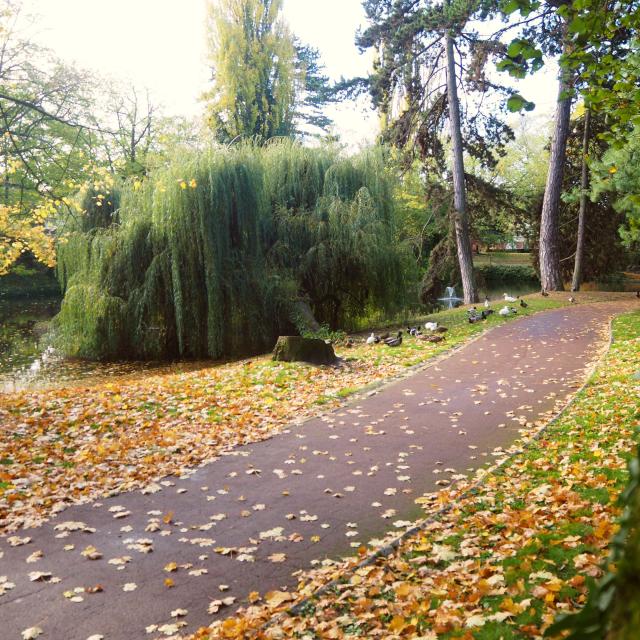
(28, 361)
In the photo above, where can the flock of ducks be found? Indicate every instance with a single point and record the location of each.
(434, 331)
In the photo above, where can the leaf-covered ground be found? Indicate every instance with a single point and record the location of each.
(80, 442)
(508, 555)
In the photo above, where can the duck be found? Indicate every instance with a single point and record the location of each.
(442, 329)
(544, 293)
(372, 339)
(508, 298)
(394, 342)
(413, 331)
(486, 302)
(523, 304)
(385, 336)
(505, 311)
(432, 338)
(474, 319)
(572, 300)
(488, 312)
(431, 326)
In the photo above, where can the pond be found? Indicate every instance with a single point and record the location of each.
(28, 361)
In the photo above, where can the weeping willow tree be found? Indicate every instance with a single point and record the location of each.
(209, 256)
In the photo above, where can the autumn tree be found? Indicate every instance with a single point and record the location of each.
(42, 146)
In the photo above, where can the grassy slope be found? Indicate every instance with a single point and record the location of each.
(502, 257)
(510, 555)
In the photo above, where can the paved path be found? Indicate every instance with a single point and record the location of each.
(316, 491)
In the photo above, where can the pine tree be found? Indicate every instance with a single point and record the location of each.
(418, 95)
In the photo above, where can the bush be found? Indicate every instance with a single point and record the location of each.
(489, 274)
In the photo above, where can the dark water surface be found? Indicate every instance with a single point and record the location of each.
(28, 361)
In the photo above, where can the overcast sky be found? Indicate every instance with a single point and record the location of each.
(160, 44)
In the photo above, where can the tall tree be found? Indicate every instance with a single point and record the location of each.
(266, 83)
(460, 220)
(589, 36)
(582, 210)
(425, 54)
(252, 55)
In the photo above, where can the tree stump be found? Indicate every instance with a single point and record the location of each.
(299, 349)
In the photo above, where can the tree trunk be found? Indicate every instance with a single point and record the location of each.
(549, 256)
(298, 349)
(584, 183)
(463, 241)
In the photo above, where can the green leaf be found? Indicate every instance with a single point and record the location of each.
(517, 103)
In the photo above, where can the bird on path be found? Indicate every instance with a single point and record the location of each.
(394, 342)
(572, 300)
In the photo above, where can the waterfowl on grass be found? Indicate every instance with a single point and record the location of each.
(432, 338)
(508, 298)
(372, 339)
(431, 326)
(572, 300)
(523, 304)
(385, 336)
(505, 311)
(486, 302)
(544, 293)
(394, 342)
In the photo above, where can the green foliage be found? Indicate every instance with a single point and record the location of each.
(618, 175)
(211, 253)
(508, 273)
(266, 83)
(252, 55)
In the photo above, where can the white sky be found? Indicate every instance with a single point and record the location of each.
(160, 45)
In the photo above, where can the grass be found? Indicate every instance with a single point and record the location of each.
(511, 553)
(502, 257)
